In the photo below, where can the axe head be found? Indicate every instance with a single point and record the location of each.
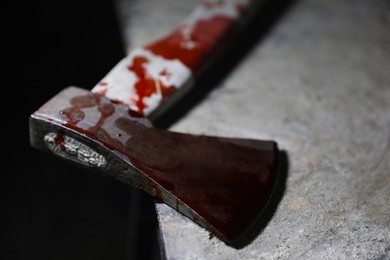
(223, 184)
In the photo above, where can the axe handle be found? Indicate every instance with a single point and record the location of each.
(152, 77)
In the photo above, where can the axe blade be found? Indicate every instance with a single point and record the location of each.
(223, 184)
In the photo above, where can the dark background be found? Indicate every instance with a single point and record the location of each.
(50, 209)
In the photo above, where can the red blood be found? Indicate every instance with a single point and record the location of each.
(165, 74)
(73, 114)
(205, 34)
(146, 84)
(85, 101)
(60, 140)
(105, 110)
(205, 173)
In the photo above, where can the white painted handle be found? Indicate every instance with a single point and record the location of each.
(151, 75)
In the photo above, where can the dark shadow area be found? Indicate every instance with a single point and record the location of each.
(51, 209)
(263, 21)
(264, 218)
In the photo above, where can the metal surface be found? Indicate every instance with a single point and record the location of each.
(174, 168)
(319, 83)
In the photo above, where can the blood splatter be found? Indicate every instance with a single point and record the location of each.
(204, 35)
(146, 84)
(73, 114)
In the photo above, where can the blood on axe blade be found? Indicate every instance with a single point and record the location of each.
(223, 184)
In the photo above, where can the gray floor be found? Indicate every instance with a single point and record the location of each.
(318, 83)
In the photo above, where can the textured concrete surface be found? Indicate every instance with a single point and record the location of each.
(319, 84)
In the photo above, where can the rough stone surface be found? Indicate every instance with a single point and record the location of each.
(318, 84)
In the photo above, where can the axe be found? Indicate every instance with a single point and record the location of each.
(223, 184)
